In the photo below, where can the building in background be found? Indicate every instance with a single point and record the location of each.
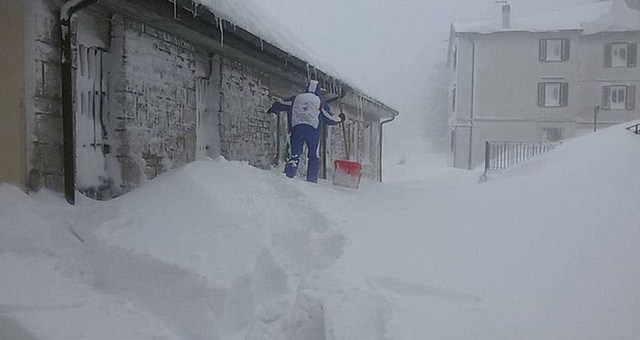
(541, 78)
(145, 86)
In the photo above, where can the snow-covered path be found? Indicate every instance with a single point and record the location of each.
(220, 250)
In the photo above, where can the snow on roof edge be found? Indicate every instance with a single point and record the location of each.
(590, 19)
(253, 18)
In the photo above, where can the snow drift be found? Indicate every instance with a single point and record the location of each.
(220, 250)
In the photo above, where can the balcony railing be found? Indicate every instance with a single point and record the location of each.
(635, 129)
(501, 155)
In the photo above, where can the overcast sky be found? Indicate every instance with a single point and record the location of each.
(390, 47)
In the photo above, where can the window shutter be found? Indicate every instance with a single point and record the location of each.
(565, 49)
(564, 94)
(542, 51)
(607, 55)
(631, 97)
(606, 97)
(541, 94)
(632, 55)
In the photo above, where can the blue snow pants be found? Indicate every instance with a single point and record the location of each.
(300, 135)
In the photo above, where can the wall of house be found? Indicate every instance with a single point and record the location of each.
(461, 112)
(508, 71)
(152, 100)
(43, 96)
(12, 93)
(595, 75)
(246, 131)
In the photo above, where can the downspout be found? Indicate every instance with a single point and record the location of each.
(471, 113)
(68, 119)
(381, 130)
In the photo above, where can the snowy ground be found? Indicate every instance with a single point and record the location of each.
(220, 250)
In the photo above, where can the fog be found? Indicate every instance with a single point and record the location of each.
(391, 49)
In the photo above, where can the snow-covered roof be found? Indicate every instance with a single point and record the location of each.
(252, 16)
(600, 17)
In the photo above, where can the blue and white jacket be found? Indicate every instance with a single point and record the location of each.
(306, 108)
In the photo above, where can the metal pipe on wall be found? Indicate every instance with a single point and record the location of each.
(67, 11)
(381, 144)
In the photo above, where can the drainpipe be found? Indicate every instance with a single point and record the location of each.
(472, 110)
(68, 119)
(381, 130)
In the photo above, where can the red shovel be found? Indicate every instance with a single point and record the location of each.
(347, 173)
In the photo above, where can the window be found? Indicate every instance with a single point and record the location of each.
(619, 97)
(554, 50)
(553, 94)
(620, 55)
(552, 134)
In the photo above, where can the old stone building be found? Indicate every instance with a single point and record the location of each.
(100, 95)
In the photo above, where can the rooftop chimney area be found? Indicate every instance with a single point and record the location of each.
(506, 16)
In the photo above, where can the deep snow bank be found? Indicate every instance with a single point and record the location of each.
(220, 250)
(249, 236)
(215, 250)
(41, 297)
(546, 251)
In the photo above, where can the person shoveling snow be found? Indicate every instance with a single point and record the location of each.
(306, 113)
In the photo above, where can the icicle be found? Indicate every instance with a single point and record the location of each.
(195, 9)
(220, 25)
(261, 45)
(175, 9)
(308, 73)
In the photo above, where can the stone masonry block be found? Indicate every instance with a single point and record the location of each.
(48, 106)
(47, 158)
(48, 129)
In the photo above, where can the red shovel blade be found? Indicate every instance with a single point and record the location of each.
(347, 173)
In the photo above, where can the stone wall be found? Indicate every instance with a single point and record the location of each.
(44, 104)
(153, 100)
(246, 131)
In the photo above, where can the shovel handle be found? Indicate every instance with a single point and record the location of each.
(346, 144)
(344, 132)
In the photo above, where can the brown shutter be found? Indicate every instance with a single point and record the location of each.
(542, 50)
(632, 55)
(631, 97)
(542, 94)
(607, 55)
(606, 97)
(564, 94)
(565, 49)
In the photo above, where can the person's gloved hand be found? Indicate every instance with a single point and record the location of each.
(342, 117)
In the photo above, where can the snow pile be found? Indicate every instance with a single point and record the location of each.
(612, 16)
(216, 250)
(246, 237)
(220, 250)
(41, 297)
(549, 251)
